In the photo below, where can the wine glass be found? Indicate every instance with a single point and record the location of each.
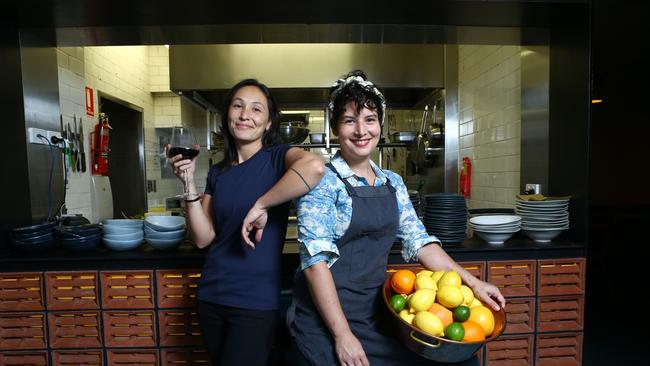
(183, 142)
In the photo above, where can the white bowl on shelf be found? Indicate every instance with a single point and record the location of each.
(120, 230)
(495, 238)
(122, 245)
(123, 222)
(495, 220)
(542, 235)
(164, 244)
(165, 223)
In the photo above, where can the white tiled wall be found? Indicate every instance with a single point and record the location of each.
(158, 69)
(490, 122)
(71, 71)
(122, 73)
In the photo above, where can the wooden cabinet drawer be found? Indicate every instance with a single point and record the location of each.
(21, 291)
(130, 328)
(76, 329)
(177, 288)
(22, 331)
(510, 351)
(513, 278)
(561, 277)
(132, 357)
(520, 315)
(179, 328)
(560, 313)
(72, 290)
(557, 349)
(127, 289)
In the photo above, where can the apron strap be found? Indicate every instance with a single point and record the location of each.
(349, 187)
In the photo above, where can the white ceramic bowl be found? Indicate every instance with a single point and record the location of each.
(120, 230)
(179, 234)
(491, 220)
(165, 223)
(122, 245)
(127, 236)
(123, 222)
(542, 236)
(494, 238)
(164, 244)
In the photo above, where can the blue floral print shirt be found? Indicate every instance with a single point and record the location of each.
(324, 214)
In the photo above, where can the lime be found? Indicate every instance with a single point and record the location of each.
(455, 331)
(397, 302)
(461, 313)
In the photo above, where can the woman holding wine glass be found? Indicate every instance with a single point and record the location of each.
(242, 218)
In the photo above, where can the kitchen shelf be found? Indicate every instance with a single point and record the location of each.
(388, 144)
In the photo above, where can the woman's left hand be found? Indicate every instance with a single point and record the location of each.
(489, 295)
(255, 219)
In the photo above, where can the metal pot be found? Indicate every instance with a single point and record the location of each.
(292, 134)
(317, 138)
(404, 136)
(436, 348)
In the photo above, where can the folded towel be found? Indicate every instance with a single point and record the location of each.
(541, 197)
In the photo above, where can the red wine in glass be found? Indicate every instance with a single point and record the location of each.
(188, 153)
(183, 143)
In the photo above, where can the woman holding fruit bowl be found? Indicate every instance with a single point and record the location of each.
(347, 225)
(245, 197)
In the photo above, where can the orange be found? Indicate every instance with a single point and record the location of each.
(483, 317)
(473, 332)
(403, 281)
(443, 313)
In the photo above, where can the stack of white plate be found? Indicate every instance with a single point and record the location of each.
(164, 232)
(122, 234)
(542, 221)
(495, 229)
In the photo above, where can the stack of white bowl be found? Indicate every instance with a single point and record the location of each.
(542, 221)
(164, 232)
(495, 229)
(122, 234)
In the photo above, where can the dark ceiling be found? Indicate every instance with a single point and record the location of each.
(101, 13)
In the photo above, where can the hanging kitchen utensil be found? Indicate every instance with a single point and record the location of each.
(76, 145)
(73, 160)
(82, 152)
(421, 142)
(436, 132)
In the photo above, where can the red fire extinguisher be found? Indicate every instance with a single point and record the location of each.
(465, 177)
(100, 148)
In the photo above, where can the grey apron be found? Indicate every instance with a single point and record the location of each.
(359, 275)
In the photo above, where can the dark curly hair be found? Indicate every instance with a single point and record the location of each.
(367, 96)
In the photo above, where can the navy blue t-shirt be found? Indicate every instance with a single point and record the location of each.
(234, 275)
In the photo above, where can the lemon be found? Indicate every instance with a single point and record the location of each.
(424, 272)
(422, 299)
(450, 296)
(406, 316)
(475, 303)
(436, 275)
(468, 295)
(451, 278)
(429, 323)
(423, 282)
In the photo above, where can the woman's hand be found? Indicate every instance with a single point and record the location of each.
(350, 351)
(255, 219)
(488, 293)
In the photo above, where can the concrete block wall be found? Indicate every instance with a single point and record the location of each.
(120, 72)
(71, 70)
(158, 69)
(490, 122)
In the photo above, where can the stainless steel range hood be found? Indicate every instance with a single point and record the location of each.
(300, 74)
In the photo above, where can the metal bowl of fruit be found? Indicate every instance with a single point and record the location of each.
(439, 333)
